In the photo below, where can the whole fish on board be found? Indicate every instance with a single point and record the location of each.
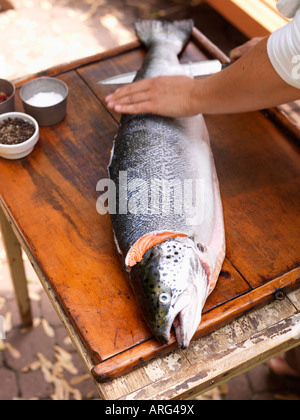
(167, 219)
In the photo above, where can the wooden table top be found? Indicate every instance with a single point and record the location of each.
(50, 197)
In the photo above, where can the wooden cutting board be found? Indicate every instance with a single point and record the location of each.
(51, 198)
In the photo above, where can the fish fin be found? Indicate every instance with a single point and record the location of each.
(177, 32)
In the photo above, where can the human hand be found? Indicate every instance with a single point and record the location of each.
(243, 49)
(169, 96)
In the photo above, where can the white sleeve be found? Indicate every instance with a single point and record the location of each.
(284, 51)
(288, 8)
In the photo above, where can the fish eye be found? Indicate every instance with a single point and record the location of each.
(164, 298)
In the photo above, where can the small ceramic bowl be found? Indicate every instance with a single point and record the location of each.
(46, 115)
(18, 151)
(8, 88)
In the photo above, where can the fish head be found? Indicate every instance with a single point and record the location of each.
(171, 287)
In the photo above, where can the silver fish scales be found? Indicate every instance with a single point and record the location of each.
(168, 224)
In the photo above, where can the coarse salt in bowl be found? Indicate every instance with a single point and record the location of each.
(21, 150)
(45, 99)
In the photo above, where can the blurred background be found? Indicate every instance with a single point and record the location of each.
(41, 363)
(38, 34)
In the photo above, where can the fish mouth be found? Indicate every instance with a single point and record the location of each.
(181, 334)
(176, 321)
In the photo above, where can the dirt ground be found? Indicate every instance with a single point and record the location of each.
(37, 34)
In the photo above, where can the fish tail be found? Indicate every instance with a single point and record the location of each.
(177, 33)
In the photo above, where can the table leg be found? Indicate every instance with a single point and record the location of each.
(16, 266)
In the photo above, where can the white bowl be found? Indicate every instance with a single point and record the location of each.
(18, 151)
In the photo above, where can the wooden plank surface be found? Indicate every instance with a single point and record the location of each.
(5, 5)
(51, 198)
(252, 17)
(220, 356)
(259, 177)
(71, 242)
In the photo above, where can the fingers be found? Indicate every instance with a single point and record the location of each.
(243, 49)
(140, 108)
(239, 52)
(165, 95)
(128, 98)
(235, 55)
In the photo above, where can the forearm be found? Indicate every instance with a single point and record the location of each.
(251, 83)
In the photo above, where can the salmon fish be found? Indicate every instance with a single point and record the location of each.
(167, 219)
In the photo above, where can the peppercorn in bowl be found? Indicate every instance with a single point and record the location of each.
(19, 133)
